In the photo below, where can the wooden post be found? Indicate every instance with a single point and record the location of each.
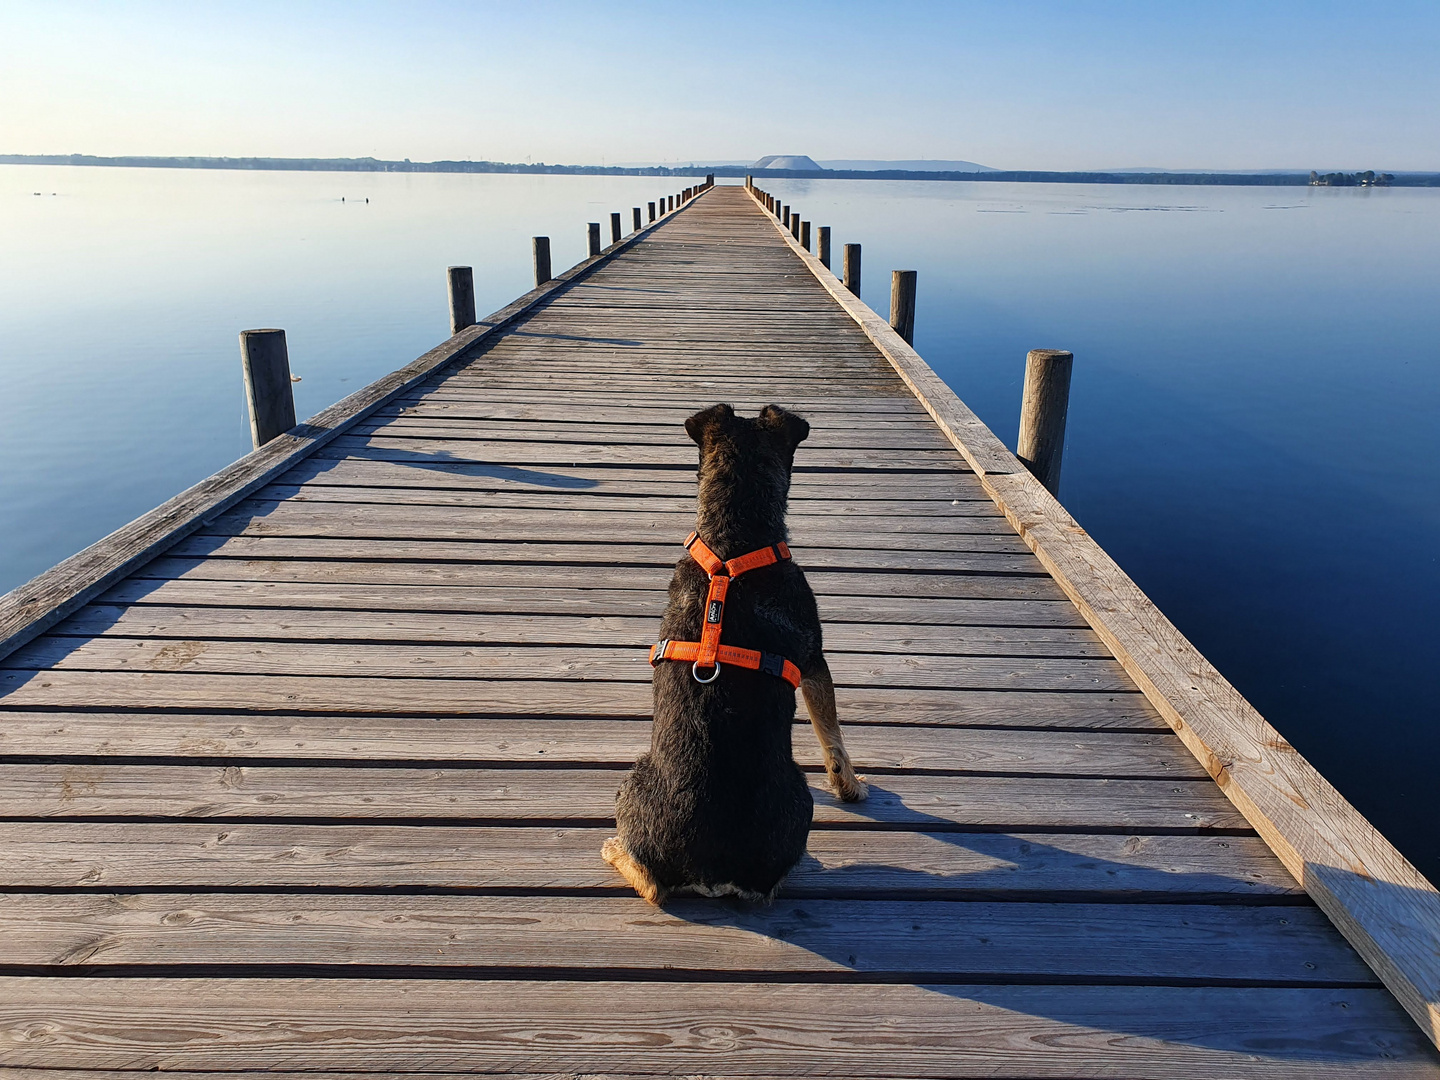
(615, 228)
(824, 243)
(462, 298)
(268, 391)
(805, 235)
(1043, 410)
(785, 214)
(592, 236)
(670, 202)
(541, 246)
(795, 226)
(902, 304)
(652, 211)
(635, 215)
(749, 181)
(850, 261)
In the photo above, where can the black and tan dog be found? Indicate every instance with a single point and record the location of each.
(718, 805)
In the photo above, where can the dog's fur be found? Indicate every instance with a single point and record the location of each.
(718, 805)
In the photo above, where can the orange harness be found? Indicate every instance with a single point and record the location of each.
(708, 652)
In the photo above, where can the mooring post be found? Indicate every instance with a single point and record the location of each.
(1043, 410)
(824, 244)
(592, 237)
(615, 228)
(670, 201)
(850, 263)
(795, 226)
(652, 211)
(462, 298)
(805, 235)
(268, 391)
(541, 245)
(635, 215)
(902, 304)
(749, 181)
(785, 214)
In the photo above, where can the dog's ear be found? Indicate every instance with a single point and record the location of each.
(715, 416)
(793, 428)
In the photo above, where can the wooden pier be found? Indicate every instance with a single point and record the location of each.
(308, 770)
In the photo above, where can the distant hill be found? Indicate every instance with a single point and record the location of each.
(793, 162)
(927, 165)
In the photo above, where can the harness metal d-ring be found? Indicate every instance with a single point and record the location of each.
(695, 673)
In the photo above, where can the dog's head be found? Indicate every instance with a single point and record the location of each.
(769, 439)
(745, 466)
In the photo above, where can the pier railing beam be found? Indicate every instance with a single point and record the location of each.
(461, 281)
(1043, 411)
(851, 267)
(268, 391)
(824, 245)
(592, 237)
(541, 248)
(902, 304)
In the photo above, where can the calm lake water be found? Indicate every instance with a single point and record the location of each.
(1253, 427)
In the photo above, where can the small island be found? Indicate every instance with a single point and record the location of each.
(1368, 178)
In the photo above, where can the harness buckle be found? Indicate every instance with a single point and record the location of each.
(772, 664)
(657, 651)
(695, 673)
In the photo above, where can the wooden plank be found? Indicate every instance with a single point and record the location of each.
(584, 796)
(760, 1029)
(595, 524)
(570, 741)
(1196, 868)
(652, 480)
(33, 607)
(275, 540)
(539, 600)
(513, 697)
(919, 941)
(623, 663)
(567, 455)
(500, 576)
(274, 624)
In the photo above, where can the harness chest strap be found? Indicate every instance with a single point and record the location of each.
(708, 652)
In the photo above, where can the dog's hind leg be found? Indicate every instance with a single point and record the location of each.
(618, 855)
(819, 691)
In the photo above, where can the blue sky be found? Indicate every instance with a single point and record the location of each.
(1013, 85)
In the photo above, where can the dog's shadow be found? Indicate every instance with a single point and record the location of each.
(982, 917)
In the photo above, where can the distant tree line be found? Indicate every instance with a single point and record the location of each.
(370, 164)
(1368, 178)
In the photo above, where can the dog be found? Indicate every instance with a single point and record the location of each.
(718, 805)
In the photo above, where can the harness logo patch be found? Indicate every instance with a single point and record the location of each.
(713, 615)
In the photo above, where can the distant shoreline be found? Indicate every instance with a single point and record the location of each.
(267, 164)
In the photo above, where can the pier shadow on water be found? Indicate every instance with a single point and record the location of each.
(1291, 1020)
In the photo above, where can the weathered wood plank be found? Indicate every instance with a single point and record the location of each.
(915, 940)
(477, 698)
(264, 539)
(735, 1029)
(570, 741)
(539, 662)
(584, 796)
(1196, 868)
(501, 576)
(277, 624)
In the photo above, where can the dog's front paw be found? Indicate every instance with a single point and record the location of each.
(851, 788)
